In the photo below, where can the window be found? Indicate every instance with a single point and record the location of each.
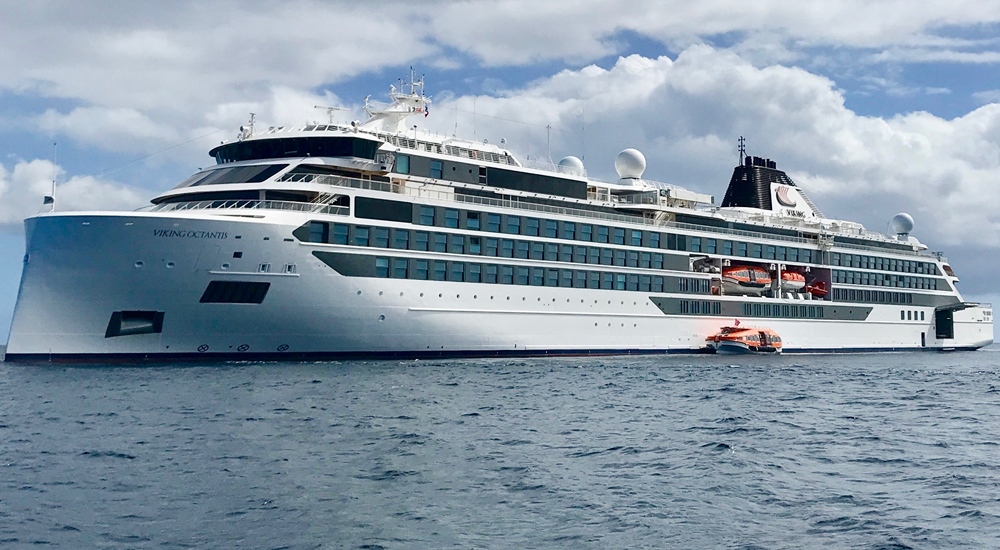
(380, 237)
(360, 236)
(440, 270)
(695, 244)
(426, 215)
(710, 246)
(513, 225)
(565, 253)
(618, 235)
(565, 278)
(399, 268)
(594, 279)
(402, 164)
(586, 232)
(727, 248)
(635, 237)
(537, 251)
(580, 254)
(381, 267)
(607, 281)
(318, 232)
(632, 283)
(593, 255)
(451, 218)
(457, 272)
(619, 258)
(607, 256)
(568, 231)
(537, 276)
(522, 276)
(472, 221)
(506, 275)
(473, 273)
(551, 277)
(756, 250)
(522, 250)
(551, 252)
(769, 252)
(420, 269)
(437, 169)
(531, 226)
(632, 259)
(506, 248)
(440, 242)
(644, 260)
(741, 249)
(644, 283)
(657, 261)
(619, 281)
(400, 239)
(456, 244)
(475, 245)
(492, 246)
(550, 228)
(340, 232)
(421, 240)
(492, 274)
(654, 240)
(493, 223)
(580, 279)
(602, 234)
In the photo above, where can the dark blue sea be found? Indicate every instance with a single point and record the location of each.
(832, 451)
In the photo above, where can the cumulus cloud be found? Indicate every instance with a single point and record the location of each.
(686, 114)
(23, 187)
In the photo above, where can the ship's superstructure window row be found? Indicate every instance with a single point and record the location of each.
(888, 279)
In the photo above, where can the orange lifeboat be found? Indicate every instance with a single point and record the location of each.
(743, 340)
(745, 280)
(817, 289)
(792, 281)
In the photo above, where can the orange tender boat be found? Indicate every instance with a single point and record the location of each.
(741, 340)
(745, 279)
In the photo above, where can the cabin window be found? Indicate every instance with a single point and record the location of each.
(644, 283)
(381, 267)
(451, 218)
(537, 251)
(472, 221)
(402, 164)
(437, 169)
(420, 269)
(475, 245)
(619, 281)
(565, 253)
(568, 231)
(400, 239)
(710, 246)
(645, 260)
(457, 272)
(635, 237)
(456, 244)
(619, 258)
(607, 256)
(741, 249)
(593, 255)
(618, 235)
(506, 248)
(318, 232)
(440, 271)
(513, 225)
(756, 250)
(607, 281)
(399, 268)
(340, 233)
(492, 273)
(421, 240)
(522, 276)
(426, 216)
(657, 262)
(654, 240)
(602, 234)
(506, 275)
(440, 241)
(550, 228)
(632, 259)
(493, 223)
(473, 273)
(551, 252)
(695, 244)
(579, 279)
(565, 278)
(586, 232)
(537, 276)
(551, 277)
(360, 236)
(531, 226)
(380, 237)
(522, 250)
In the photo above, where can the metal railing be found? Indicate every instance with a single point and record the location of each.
(248, 204)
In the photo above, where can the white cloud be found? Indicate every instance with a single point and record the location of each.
(685, 115)
(23, 188)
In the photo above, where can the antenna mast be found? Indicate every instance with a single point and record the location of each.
(51, 198)
(742, 149)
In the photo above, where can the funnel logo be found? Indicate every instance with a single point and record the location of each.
(783, 198)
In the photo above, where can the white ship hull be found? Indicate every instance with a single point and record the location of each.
(81, 268)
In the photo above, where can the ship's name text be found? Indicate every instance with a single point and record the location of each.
(190, 234)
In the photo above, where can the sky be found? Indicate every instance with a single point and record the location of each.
(873, 107)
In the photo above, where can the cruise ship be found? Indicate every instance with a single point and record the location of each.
(376, 239)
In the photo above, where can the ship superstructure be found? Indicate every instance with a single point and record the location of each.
(376, 239)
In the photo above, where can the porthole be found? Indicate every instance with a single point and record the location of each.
(139, 264)
(170, 265)
(421, 294)
(380, 293)
(225, 266)
(381, 318)
(359, 293)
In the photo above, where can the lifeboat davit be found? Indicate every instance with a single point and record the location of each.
(745, 280)
(792, 281)
(743, 340)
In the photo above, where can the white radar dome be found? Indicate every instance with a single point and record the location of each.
(571, 165)
(630, 164)
(902, 223)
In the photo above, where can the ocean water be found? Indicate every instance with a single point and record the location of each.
(836, 451)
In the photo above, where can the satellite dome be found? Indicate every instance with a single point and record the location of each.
(902, 223)
(630, 164)
(571, 165)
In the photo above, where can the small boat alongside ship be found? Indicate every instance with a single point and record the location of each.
(745, 340)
